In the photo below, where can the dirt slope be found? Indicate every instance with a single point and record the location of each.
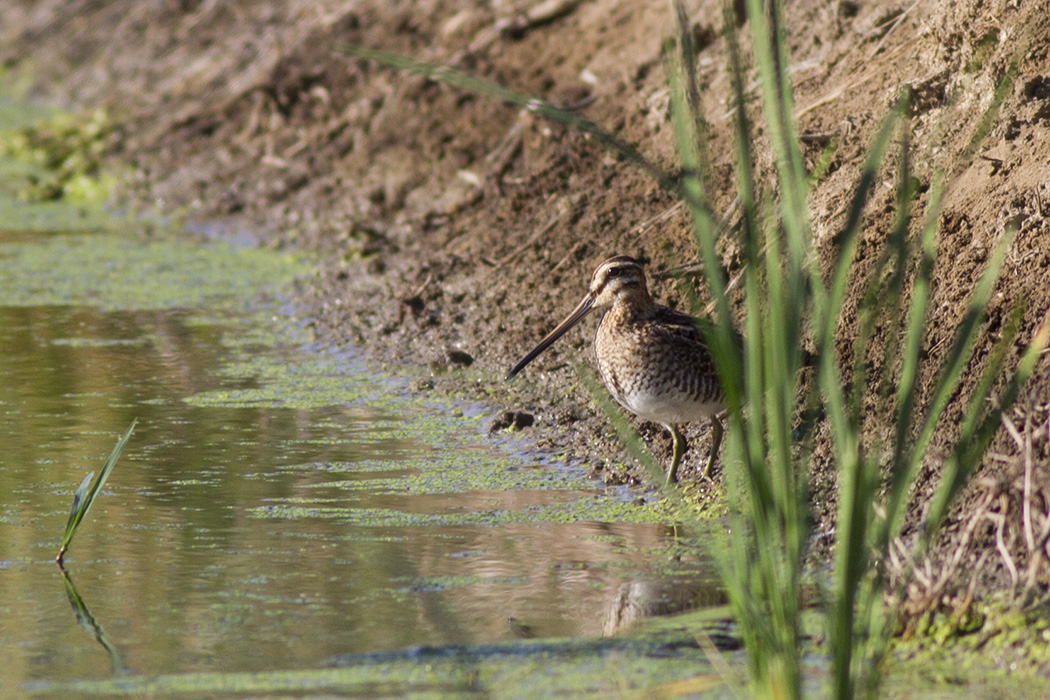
(455, 223)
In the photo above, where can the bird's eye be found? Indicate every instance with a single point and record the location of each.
(615, 271)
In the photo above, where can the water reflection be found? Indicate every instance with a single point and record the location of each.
(88, 622)
(263, 518)
(657, 595)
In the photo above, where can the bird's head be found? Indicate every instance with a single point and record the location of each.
(620, 278)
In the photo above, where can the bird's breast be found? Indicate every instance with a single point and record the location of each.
(662, 377)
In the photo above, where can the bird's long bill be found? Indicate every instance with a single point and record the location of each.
(581, 310)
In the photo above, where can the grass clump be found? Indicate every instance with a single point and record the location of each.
(66, 154)
(787, 299)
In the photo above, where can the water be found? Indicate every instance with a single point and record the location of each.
(278, 505)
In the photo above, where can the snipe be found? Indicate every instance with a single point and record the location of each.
(652, 359)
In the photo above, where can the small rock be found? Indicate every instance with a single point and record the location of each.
(521, 630)
(515, 420)
(460, 358)
(415, 303)
(376, 266)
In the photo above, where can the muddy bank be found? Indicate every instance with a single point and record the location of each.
(457, 230)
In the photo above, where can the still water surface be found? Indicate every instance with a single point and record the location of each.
(279, 504)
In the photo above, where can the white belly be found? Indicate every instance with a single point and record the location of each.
(668, 408)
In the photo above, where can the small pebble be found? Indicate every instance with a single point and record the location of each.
(515, 420)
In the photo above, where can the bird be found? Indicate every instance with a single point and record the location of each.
(653, 359)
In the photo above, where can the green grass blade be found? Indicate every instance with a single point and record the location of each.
(501, 93)
(961, 351)
(85, 495)
(848, 237)
(691, 146)
(902, 470)
(691, 141)
(979, 424)
(771, 59)
(687, 53)
(982, 418)
(78, 499)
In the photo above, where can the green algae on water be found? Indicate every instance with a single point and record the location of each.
(596, 508)
(115, 272)
(522, 669)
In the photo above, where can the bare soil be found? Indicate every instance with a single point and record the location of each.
(457, 230)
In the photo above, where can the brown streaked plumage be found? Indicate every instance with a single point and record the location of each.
(652, 359)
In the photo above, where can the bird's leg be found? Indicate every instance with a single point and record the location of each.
(716, 442)
(676, 456)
